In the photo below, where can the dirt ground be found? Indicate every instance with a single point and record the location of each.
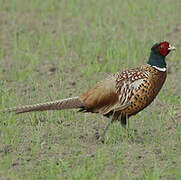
(54, 50)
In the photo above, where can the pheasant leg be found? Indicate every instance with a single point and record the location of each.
(101, 137)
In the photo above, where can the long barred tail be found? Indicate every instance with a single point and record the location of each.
(69, 103)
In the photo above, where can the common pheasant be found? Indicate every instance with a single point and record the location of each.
(122, 94)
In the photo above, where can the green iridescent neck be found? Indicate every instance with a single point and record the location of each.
(157, 60)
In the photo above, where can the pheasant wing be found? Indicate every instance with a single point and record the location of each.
(113, 94)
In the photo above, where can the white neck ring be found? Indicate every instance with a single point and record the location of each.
(160, 69)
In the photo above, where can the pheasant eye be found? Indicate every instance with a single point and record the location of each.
(162, 46)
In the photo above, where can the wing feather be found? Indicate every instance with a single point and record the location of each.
(112, 94)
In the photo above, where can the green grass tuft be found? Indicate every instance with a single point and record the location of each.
(56, 49)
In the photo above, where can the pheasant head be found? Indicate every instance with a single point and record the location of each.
(158, 53)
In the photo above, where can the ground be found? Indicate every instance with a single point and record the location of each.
(57, 49)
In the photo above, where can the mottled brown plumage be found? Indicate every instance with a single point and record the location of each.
(68, 103)
(122, 94)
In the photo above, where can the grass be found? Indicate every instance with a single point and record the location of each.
(56, 49)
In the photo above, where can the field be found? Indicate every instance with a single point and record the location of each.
(51, 50)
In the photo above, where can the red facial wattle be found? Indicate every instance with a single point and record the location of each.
(163, 48)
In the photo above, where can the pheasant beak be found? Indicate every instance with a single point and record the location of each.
(171, 48)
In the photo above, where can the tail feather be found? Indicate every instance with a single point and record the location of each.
(69, 103)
